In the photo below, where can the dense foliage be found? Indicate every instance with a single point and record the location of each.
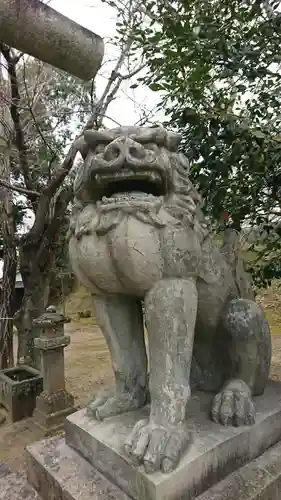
(217, 64)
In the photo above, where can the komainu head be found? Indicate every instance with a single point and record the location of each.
(125, 161)
(136, 167)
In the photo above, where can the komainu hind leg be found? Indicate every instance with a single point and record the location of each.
(249, 357)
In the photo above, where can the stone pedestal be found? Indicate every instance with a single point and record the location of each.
(54, 403)
(219, 458)
(14, 485)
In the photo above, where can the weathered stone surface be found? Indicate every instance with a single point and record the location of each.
(51, 319)
(216, 450)
(137, 233)
(54, 403)
(258, 480)
(14, 486)
(52, 423)
(58, 472)
(48, 344)
(19, 388)
(37, 29)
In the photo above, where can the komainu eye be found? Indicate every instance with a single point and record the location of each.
(151, 146)
(99, 148)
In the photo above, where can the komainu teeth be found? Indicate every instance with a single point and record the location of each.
(104, 179)
(128, 174)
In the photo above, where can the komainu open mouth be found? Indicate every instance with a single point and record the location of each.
(130, 185)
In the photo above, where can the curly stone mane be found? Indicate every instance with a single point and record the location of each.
(185, 204)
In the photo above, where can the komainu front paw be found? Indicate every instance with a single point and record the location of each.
(234, 405)
(157, 447)
(108, 403)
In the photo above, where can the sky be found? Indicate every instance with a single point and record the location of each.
(101, 19)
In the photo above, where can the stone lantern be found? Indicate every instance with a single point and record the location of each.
(54, 403)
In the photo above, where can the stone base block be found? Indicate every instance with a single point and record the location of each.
(51, 411)
(216, 452)
(258, 480)
(53, 423)
(58, 472)
(52, 403)
(14, 485)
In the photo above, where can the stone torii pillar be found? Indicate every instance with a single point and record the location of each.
(40, 31)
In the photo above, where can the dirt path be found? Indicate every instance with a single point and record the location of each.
(87, 361)
(87, 366)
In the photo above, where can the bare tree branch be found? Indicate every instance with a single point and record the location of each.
(60, 174)
(29, 104)
(19, 189)
(111, 89)
(111, 119)
(133, 72)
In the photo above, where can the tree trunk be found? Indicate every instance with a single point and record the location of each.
(35, 300)
(8, 288)
(37, 253)
(7, 229)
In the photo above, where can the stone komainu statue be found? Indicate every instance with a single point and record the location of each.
(137, 234)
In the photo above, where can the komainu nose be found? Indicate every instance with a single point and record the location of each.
(135, 150)
(126, 148)
(113, 151)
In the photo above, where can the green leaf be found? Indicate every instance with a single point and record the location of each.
(156, 86)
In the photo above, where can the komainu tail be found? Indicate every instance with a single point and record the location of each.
(231, 251)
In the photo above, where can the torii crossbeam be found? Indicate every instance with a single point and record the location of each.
(40, 31)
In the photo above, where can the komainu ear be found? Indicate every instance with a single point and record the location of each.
(94, 137)
(160, 136)
(172, 141)
(82, 146)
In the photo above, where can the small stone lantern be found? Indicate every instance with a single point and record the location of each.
(54, 403)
